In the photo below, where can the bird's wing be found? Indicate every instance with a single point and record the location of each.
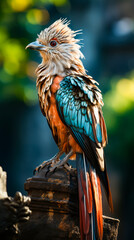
(79, 105)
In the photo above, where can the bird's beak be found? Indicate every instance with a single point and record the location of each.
(35, 46)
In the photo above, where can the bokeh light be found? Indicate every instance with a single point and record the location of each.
(36, 16)
(59, 3)
(19, 6)
(121, 96)
(13, 54)
(125, 87)
(108, 37)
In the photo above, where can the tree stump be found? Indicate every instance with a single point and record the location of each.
(54, 205)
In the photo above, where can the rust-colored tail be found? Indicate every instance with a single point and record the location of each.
(90, 200)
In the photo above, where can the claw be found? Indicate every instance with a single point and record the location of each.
(52, 169)
(49, 163)
(57, 166)
(61, 163)
(54, 163)
(45, 164)
(48, 169)
(67, 166)
(37, 169)
(48, 172)
(34, 171)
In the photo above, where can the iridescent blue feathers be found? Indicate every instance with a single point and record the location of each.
(77, 99)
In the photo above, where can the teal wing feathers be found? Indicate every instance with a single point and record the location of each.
(79, 103)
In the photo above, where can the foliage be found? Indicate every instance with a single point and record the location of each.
(20, 23)
(119, 116)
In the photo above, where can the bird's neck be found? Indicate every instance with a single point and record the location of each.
(46, 71)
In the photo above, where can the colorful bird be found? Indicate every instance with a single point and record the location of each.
(71, 102)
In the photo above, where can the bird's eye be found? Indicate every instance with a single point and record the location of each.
(53, 43)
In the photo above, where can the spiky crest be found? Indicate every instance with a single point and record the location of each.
(60, 30)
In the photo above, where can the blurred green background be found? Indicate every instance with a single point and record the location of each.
(108, 38)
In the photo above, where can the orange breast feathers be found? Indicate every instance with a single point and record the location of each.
(59, 129)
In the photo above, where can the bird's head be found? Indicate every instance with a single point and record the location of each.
(57, 45)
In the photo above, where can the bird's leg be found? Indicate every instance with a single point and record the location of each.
(51, 161)
(63, 162)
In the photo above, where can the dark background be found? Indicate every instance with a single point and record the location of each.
(108, 38)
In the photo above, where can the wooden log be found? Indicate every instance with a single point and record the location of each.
(54, 205)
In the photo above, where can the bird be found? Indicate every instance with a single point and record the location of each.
(72, 103)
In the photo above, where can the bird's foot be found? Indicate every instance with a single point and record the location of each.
(58, 165)
(49, 163)
(61, 163)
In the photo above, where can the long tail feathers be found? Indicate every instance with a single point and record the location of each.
(97, 201)
(90, 200)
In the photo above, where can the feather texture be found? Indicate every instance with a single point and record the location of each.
(89, 131)
(71, 102)
(80, 96)
(90, 202)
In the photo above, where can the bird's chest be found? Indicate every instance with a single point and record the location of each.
(50, 101)
(48, 106)
(60, 132)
